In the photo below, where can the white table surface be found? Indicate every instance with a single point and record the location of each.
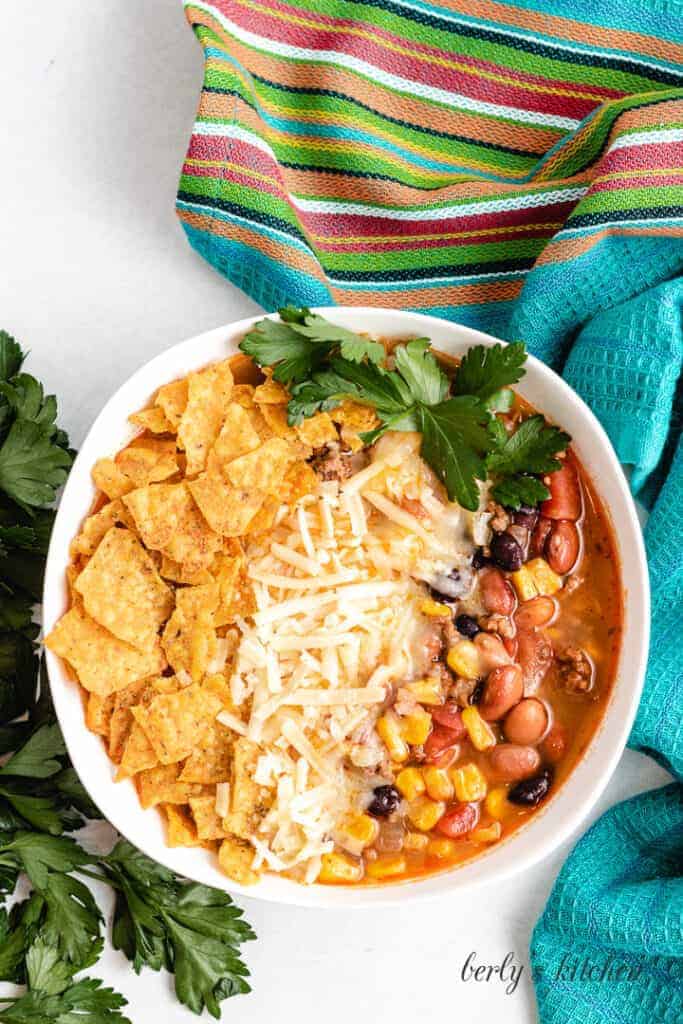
(96, 105)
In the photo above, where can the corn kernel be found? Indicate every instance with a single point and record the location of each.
(415, 841)
(358, 832)
(426, 691)
(410, 783)
(434, 608)
(463, 659)
(387, 865)
(470, 784)
(416, 727)
(439, 785)
(524, 584)
(441, 848)
(497, 803)
(487, 833)
(547, 582)
(424, 813)
(337, 868)
(389, 730)
(479, 731)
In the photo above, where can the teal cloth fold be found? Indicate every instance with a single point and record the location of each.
(609, 946)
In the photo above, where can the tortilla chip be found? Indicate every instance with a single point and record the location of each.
(121, 721)
(111, 480)
(95, 527)
(208, 396)
(266, 515)
(243, 394)
(175, 722)
(300, 479)
(218, 684)
(211, 758)
(354, 419)
(177, 573)
(180, 827)
(237, 437)
(123, 591)
(172, 398)
(160, 785)
(264, 468)
(226, 571)
(317, 430)
(98, 713)
(276, 418)
(249, 801)
(208, 823)
(148, 460)
(138, 754)
(189, 638)
(271, 392)
(227, 509)
(235, 857)
(154, 420)
(102, 662)
(169, 521)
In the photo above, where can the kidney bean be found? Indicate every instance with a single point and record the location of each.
(506, 552)
(535, 655)
(439, 740)
(539, 537)
(526, 722)
(491, 651)
(554, 744)
(450, 717)
(531, 791)
(502, 691)
(562, 547)
(511, 762)
(539, 611)
(526, 516)
(565, 494)
(446, 759)
(497, 595)
(510, 644)
(458, 821)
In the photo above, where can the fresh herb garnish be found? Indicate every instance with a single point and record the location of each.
(47, 938)
(462, 440)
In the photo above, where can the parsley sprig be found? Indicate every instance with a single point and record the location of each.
(55, 932)
(462, 439)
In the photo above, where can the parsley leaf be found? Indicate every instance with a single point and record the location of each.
(454, 441)
(11, 356)
(32, 467)
(84, 1002)
(485, 370)
(531, 449)
(37, 758)
(421, 372)
(519, 489)
(46, 970)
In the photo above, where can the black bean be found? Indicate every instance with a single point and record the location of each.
(525, 516)
(442, 598)
(466, 625)
(530, 792)
(384, 802)
(479, 559)
(477, 692)
(506, 552)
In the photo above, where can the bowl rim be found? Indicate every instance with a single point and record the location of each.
(609, 738)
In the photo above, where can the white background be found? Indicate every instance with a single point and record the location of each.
(96, 105)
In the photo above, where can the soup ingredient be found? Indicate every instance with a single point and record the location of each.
(565, 495)
(467, 626)
(506, 552)
(384, 802)
(462, 441)
(526, 722)
(503, 689)
(530, 792)
(562, 547)
(458, 821)
(511, 762)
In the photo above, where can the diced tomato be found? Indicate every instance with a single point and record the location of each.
(450, 716)
(439, 740)
(565, 495)
(458, 821)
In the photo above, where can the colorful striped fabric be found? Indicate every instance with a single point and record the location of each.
(424, 156)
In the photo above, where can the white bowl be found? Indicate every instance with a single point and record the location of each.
(547, 828)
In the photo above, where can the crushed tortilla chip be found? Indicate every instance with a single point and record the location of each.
(122, 590)
(121, 721)
(189, 639)
(174, 723)
(102, 662)
(235, 857)
(169, 521)
(300, 479)
(209, 825)
(160, 785)
(249, 802)
(95, 527)
(180, 827)
(227, 509)
(111, 480)
(138, 754)
(208, 396)
(211, 758)
(266, 515)
(177, 573)
(237, 437)
(148, 460)
(98, 713)
(317, 431)
(271, 392)
(264, 468)
(276, 418)
(154, 420)
(172, 399)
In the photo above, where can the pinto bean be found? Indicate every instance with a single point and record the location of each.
(439, 740)
(511, 762)
(535, 655)
(503, 689)
(458, 821)
(562, 547)
(492, 653)
(497, 595)
(526, 722)
(450, 717)
(539, 537)
(554, 744)
(539, 611)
